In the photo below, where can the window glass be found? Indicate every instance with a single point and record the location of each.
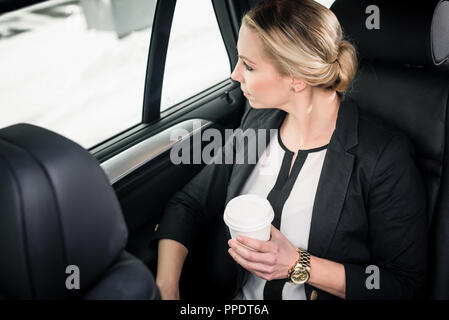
(326, 3)
(75, 67)
(196, 57)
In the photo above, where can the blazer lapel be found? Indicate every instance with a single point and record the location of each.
(272, 119)
(240, 172)
(334, 180)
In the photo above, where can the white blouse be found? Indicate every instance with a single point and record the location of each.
(296, 211)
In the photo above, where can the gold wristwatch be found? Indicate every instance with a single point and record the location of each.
(300, 272)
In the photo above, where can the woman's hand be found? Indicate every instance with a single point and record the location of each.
(271, 260)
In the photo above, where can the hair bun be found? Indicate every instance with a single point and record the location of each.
(347, 61)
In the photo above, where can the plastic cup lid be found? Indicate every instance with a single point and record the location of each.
(248, 212)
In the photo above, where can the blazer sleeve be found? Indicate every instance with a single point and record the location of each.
(199, 200)
(397, 229)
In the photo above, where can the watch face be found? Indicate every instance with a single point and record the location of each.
(299, 276)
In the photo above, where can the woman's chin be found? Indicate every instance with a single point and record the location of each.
(255, 105)
(251, 103)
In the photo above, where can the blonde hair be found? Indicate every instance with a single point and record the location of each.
(304, 39)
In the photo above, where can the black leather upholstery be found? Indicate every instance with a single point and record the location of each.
(413, 32)
(57, 209)
(404, 80)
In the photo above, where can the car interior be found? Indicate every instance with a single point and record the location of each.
(64, 205)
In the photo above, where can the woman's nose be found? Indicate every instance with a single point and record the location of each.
(235, 75)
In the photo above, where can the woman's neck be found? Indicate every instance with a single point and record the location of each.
(310, 119)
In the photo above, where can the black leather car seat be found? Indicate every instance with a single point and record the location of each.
(57, 209)
(403, 78)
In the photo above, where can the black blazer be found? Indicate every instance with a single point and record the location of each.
(369, 209)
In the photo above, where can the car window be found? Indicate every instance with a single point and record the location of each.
(196, 56)
(75, 67)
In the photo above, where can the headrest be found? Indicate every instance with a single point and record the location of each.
(410, 32)
(57, 209)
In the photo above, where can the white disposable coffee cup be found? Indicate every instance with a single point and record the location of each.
(249, 215)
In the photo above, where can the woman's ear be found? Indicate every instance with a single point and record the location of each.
(297, 84)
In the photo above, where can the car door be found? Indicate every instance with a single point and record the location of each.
(122, 78)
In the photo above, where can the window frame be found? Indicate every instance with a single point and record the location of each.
(157, 56)
(157, 53)
(153, 121)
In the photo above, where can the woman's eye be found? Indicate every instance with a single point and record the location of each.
(248, 67)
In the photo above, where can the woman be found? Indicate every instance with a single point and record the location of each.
(348, 198)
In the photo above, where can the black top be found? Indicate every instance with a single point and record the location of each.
(279, 195)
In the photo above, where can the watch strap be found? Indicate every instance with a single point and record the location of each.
(305, 259)
(302, 262)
